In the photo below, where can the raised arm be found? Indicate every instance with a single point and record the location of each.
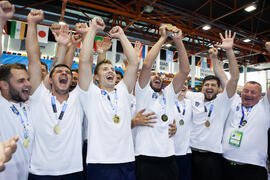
(267, 45)
(86, 54)
(145, 73)
(102, 48)
(32, 48)
(74, 41)
(227, 44)
(218, 70)
(180, 77)
(6, 12)
(131, 72)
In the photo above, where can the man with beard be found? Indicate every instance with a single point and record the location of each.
(110, 153)
(74, 79)
(57, 114)
(15, 90)
(209, 116)
(154, 147)
(245, 136)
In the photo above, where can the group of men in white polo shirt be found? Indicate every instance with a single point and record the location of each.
(175, 122)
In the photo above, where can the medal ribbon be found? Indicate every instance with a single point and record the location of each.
(114, 108)
(210, 110)
(61, 115)
(178, 108)
(243, 114)
(25, 125)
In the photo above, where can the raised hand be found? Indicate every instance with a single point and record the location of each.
(55, 28)
(35, 16)
(104, 45)
(177, 33)
(63, 38)
(213, 53)
(116, 32)
(144, 119)
(227, 42)
(97, 24)
(6, 11)
(81, 28)
(75, 39)
(267, 45)
(163, 31)
(138, 48)
(172, 129)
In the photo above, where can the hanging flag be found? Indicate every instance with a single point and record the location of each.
(42, 33)
(169, 56)
(95, 42)
(17, 30)
(203, 63)
(144, 51)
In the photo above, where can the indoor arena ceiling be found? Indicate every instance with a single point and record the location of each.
(141, 19)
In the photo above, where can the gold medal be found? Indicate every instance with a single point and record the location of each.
(181, 122)
(116, 119)
(244, 123)
(57, 129)
(26, 142)
(164, 117)
(207, 123)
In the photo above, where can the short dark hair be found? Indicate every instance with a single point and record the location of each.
(120, 73)
(59, 65)
(211, 77)
(100, 63)
(255, 83)
(5, 70)
(43, 63)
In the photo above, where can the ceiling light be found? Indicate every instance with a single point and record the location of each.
(246, 40)
(62, 23)
(206, 27)
(168, 45)
(250, 8)
(148, 9)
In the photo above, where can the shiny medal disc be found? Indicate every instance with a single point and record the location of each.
(57, 129)
(26, 142)
(164, 117)
(116, 119)
(207, 123)
(181, 122)
(244, 123)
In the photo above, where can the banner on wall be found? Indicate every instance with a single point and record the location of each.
(164, 66)
(17, 29)
(169, 55)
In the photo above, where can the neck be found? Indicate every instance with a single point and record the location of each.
(60, 97)
(108, 89)
(180, 98)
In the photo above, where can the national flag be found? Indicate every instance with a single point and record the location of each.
(203, 63)
(17, 30)
(169, 56)
(42, 33)
(95, 42)
(144, 51)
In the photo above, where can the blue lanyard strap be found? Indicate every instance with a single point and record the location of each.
(210, 110)
(61, 115)
(243, 114)
(114, 108)
(178, 108)
(162, 102)
(17, 113)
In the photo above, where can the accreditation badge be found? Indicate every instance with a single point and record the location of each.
(236, 138)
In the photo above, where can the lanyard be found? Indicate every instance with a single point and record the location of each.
(244, 118)
(55, 109)
(210, 110)
(23, 123)
(162, 101)
(114, 108)
(178, 108)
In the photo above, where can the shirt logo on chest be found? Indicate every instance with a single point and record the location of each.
(197, 104)
(237, 108)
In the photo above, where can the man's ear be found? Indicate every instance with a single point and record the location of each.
(4, 85)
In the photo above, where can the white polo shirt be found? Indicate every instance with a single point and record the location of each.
(253, 147)
(18, 167)
(56, 154)
(155, 141)
(108, 142)
(183, 118)
(208, 138)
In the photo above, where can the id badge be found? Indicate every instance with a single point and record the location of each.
(236, 138)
